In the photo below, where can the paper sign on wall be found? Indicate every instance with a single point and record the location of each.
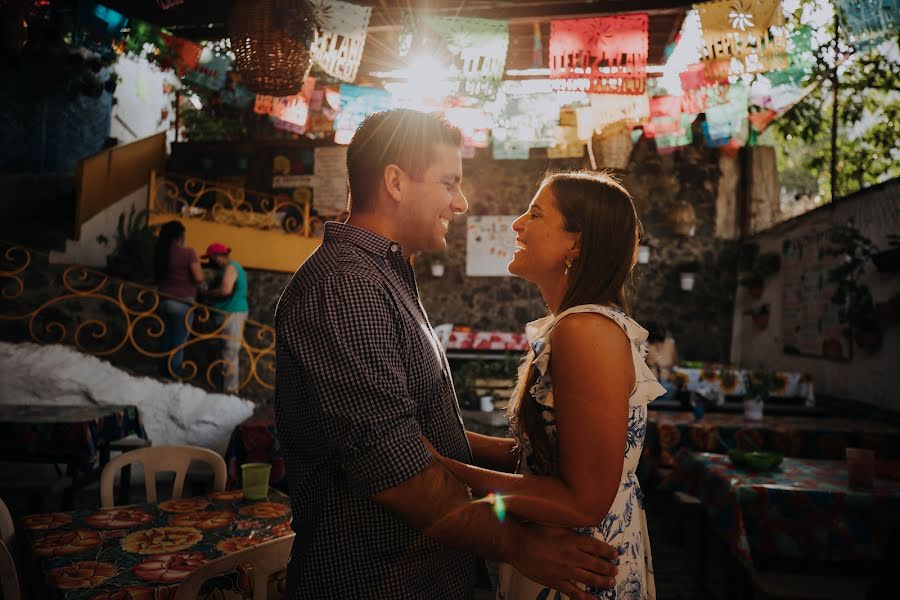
(330, 196)
(338, 49)
(490, 243)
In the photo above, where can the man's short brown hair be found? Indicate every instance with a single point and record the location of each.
(402, 137)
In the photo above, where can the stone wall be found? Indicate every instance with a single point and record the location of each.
(700, 320)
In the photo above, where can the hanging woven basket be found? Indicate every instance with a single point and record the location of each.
(271, 41)
(682, 218)
(613, 146)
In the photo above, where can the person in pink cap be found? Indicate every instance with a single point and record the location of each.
(230, 297)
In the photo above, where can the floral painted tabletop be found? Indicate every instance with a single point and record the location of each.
(803, 510)
(71, 434)
(145, 550)
(801, 437)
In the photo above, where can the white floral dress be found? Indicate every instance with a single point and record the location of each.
(625, 525)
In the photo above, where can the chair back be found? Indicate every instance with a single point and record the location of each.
(7, 528)
(161, 459)
(266, 558)
(9, 579)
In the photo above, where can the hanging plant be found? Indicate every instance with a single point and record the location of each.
(856, 307)
(756, 268)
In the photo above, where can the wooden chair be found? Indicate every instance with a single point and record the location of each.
(161, 459)
(266, 558)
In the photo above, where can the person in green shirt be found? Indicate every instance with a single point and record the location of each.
(230, 297)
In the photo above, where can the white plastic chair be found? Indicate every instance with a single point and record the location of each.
(266, 558)
(161, 459)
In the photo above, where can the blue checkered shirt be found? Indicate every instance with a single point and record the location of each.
(360, 377)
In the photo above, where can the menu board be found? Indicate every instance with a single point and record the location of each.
(810, 324)
(490, 243)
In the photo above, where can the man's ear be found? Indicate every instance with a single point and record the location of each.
(393, 182)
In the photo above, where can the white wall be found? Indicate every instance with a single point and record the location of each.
(871, 379)
(88, 251)
(140, 101)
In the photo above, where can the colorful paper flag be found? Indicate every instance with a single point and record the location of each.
(604, 55)
(342, 36)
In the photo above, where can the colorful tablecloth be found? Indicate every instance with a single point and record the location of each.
(800, 437)
(145, 550)
(256, 440)
(804, 511)
(714, 383)
(64, 433)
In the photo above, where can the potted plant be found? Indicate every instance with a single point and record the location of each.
(756, 267)
(758, 384)
(135, 241)
(856, 308)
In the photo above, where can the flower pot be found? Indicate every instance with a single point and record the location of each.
(761, 321)
(755, 290)
(868, 340)
(753, 409)
(889, 310)
(687, 281)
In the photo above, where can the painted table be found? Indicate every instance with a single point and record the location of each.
(800, 437)
(145, 550)
(74, 435)
(804, 510)
(714, 382)
(256, 440)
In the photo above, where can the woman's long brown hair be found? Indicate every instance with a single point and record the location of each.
(601, 209)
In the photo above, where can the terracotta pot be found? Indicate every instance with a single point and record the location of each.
(761, 321)
(888, 311)
(869, 340)
(832, 348)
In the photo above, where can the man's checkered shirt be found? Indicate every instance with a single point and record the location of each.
(360, 377)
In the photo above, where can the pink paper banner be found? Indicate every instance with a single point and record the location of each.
(600, 55)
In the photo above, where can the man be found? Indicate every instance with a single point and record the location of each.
(362, 379)
(230, 296)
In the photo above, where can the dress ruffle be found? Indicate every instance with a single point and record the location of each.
(646, 389)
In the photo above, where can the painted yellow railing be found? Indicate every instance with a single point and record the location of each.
(197, 198)
(264, 231)
(120, 320)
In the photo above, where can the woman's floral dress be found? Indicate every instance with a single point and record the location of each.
(625, 525)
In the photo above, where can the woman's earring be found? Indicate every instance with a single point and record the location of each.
(568, 265)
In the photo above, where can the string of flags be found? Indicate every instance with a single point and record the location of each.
(749, 67)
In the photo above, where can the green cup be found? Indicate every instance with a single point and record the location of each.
(255, 480)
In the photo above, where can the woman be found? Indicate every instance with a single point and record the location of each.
(178, 273)
(578, 414)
